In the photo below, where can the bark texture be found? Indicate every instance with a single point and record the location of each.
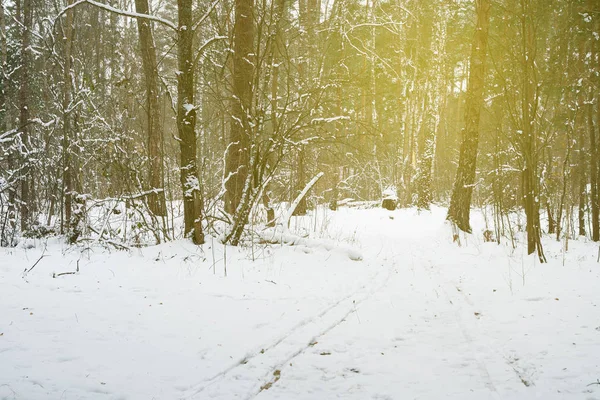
(462, 192)
(237, 157)
(186, 125)
(156, 199)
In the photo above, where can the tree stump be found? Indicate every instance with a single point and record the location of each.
(389, 204)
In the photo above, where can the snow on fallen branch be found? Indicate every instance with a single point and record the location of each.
(281, 233)
(290, 211)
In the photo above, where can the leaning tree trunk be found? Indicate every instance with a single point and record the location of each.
(462, 192)
(156, 198)
(237, 157)
(186, 124)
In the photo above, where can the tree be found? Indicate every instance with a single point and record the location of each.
(24, 106)
(594, 170)
(237, 157)
(156, 197)
(462, 192)
(68, 168)
(186, 124)
(529, 150)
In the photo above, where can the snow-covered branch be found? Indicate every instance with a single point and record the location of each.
(124, 13)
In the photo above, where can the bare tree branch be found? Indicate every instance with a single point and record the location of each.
(124, 13)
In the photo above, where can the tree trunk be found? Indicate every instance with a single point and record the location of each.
(186, 125)
(5, 240)
(275, 56)
(462, 192)
(593, 174)
(156, 199)
(68, 169)
(551, 222)
(300, 181)
(429, 60)
(26, 195)
(581, 167)
(237, 157)
(594, 142)
(529, 140)
(425, 153)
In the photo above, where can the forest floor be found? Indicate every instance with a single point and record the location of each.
(419, 317)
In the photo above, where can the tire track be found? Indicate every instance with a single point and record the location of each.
(464, 314)
(252, 371)
(275, 372)
(460, 316)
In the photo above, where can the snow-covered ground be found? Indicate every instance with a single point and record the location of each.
(417, 318)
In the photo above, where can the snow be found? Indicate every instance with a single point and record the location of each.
(417, 317)
(390, 193)
(188, 108)
(107, 7)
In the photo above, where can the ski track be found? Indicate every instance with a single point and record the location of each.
(466, 328)
(259, 365)
(442, 323)
(465, 315)
(355, 303)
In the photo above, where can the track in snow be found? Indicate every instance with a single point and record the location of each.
(256, 370)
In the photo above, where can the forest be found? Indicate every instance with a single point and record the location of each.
(299, 199)
(202, 116)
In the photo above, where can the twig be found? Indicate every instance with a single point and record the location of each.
(63, 273)
(212, 248)
(356, 311)
(68, 273)
(595, 383)
(36, 263)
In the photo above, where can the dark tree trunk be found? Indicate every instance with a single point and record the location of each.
(581, 167)
(301, 181)
(275, 56)
(68, 169)
(186, 125)
(309, 15)
(425, 154)
(530, 181)
(426, 133)
(551, 221)
(5, 240)
(26, 195)
(156, 199)
(237, 157)
(462, 192)
(593, 174)
(594, 145)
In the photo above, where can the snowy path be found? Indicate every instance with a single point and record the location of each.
(413, 327)
(418, 318)
(426, 336)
